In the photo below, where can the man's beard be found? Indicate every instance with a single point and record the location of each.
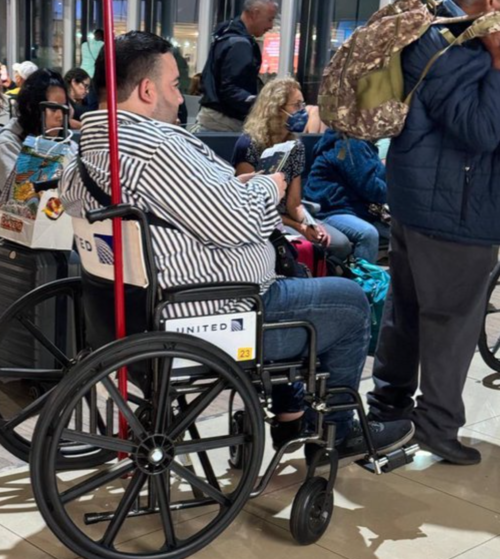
(164, 112)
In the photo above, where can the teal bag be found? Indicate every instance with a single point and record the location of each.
(374, 281)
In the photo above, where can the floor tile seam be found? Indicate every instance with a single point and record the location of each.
(161, 530)
(474, 547)
(28, 542)
(496, 512)
(119, 544)
(288, 531)
(471, 428)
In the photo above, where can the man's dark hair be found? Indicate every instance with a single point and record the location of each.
(77, 74)
(137, 56)
(99, 35)
(33, 92)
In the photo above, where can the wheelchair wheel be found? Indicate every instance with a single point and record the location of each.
(489, 339)
(47, 327)
(311, 512)
(165, 460)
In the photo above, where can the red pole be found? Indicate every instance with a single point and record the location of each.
(116, 194)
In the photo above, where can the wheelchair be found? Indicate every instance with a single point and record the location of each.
(489, 339)
(169, 422)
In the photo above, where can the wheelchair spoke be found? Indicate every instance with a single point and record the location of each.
(163, 396)
(166, 515)
(29, 411)
(212, 443)
(42, 338)
(120, 515)
(99, 441)
(200, 484)
(194, 409)
(132, 420)
(102, 478)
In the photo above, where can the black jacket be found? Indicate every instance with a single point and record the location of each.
(230, 78)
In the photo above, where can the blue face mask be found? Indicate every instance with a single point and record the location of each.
(297, 121)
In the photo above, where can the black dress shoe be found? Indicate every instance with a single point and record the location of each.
(451, 450)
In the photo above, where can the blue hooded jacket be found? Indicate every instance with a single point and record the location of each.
(346, 177)
(443, 170)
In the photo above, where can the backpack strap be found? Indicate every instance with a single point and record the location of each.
(104, 199)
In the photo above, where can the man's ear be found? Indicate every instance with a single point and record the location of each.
(492, 5)
(146, 91)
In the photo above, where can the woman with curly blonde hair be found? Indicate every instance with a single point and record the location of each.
(278, 115)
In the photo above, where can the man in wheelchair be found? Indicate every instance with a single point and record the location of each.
(209, 226)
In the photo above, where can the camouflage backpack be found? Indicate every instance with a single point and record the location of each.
(362, 91)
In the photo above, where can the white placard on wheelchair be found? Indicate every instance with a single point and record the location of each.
(234, 333)
(95, 247)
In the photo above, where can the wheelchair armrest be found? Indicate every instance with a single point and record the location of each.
(211, 292)
(312, 207)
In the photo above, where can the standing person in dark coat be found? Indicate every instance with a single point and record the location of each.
(230, 80)
(443, 176)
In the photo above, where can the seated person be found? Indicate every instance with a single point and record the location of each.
(4, 108)
(314, 123)
(78, 86)
(43, 85)
(346, 177)
(277, 116)
(222, 229)
(195, 85)
(21, 73)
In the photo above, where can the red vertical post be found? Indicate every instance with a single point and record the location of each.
(116, 196)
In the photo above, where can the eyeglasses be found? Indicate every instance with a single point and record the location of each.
(297, 106)
(85, 85)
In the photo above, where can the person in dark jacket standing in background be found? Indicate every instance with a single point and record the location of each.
(230, 79)
(347, 176)
(443, 178)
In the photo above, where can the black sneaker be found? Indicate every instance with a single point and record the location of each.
(386, 437)
(282, 432)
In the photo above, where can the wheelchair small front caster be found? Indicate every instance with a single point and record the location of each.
(311, 512)
(236, 452)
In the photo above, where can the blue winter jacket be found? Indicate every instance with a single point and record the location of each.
(443, 171)
(346, 177)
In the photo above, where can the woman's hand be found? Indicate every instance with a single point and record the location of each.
(315, 234)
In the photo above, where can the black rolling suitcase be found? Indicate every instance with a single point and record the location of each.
(22, 270)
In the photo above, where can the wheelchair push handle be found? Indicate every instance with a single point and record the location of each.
(42, 186)
(118, 210)
(49, 105)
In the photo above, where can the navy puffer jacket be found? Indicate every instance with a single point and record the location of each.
(346, 177)
(443, 170)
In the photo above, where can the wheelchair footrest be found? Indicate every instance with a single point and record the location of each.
(391, 461)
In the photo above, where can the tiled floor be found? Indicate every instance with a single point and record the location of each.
(426, 510)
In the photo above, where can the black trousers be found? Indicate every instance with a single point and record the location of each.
(431, 322)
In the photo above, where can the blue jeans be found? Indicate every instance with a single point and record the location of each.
(339, 310)
(363, 235)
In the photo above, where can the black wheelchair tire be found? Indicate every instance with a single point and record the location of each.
(484, 348)
(312, 511)
(18, 442)
(92, 370)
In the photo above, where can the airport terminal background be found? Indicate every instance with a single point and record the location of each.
(427, 509)
(50, 32)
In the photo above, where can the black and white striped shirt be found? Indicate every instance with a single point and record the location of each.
(222, 225)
